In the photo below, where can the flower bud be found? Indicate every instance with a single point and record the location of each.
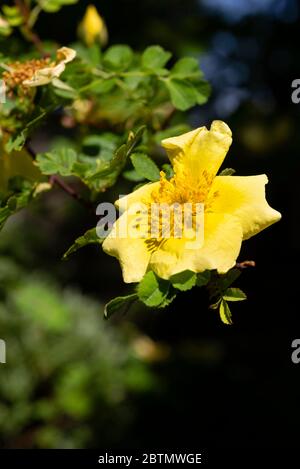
(93, 27)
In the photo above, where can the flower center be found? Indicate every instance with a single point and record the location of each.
(18, 72)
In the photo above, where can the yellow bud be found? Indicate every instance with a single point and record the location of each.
(93, 27)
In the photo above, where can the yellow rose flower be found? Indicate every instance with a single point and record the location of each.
(235, 208)
(93, 27)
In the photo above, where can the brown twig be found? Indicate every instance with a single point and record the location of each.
(245, 264)
(28, 33)
(54, 179)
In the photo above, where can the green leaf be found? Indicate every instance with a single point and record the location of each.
(227, 172)
(90, 55)
(135, 138)
(182, 93)
(17, 201)
(121, 303)
(152, 290)
(133, 175)
(90, 237)
(57, 162)
(225, 280)
(184, 280)
(187, 67)
(101, 146)
(234, 294)
(145, 167)
(106, 176)
(118, 57)
(187, 70)
(103, 86)
(17, 141)
(63, 90)
(13, 15)
(202, 91)
(52, 6)
(132, 82)
(5, 29)
(203, 278)
(169, 298)
(225, 313)
(155, 57)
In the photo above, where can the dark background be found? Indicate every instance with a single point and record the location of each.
(217, 386)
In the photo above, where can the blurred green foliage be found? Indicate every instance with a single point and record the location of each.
(69, 376)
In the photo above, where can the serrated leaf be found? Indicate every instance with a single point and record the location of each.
(16, 202)
(132, 175)
(90, 55)
(155, 57)
(182, 93)
(219, 283)
(225, 280)
(225, 313)
(168, 299)
(17, 141)
(133, 81)
(152, 290)
(121, 303)
(135, 138)
(57, 162)
(227, 172)
(203, 278)
(145, 167)
(103, 86)
(101, 146)
(187, 67)
(234, 294)
(118, 57)
(184, 280)
(107, 175)
(202, 91)
(90, 237)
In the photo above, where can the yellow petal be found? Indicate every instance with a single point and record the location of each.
(245, 198)
(45, 75)
(222, 243)
(141, 195)
(65, 55)
(201, 149)
(131, 250)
